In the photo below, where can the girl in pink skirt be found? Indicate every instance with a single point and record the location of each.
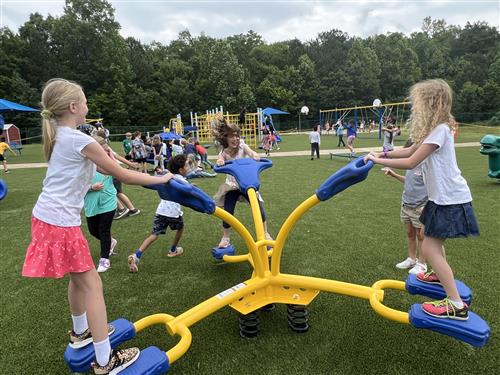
(58, 246)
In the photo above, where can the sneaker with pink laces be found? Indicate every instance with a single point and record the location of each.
(446, 309)
(428, 277)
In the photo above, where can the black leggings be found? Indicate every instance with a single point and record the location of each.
(315, 148)
(230, 203)
(100, 227)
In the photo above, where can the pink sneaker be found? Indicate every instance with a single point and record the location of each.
(446, 309)
(428, 277)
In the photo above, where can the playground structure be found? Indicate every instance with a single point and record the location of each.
(491, 147)
(250, 131)
(267, 284)
(377, 110)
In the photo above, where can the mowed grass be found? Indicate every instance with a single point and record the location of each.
(354, 237)
(32, 153)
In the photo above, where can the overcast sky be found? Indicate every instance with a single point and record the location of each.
(275, 20)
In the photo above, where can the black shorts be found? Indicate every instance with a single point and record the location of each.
(128, 157)
(118, 185)
(141, 160)
(2, 158)
(161, 223)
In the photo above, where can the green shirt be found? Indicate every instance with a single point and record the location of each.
(127, 146)
(100, 201)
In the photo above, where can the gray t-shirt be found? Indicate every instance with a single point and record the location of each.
(414, 191)
(388, 143)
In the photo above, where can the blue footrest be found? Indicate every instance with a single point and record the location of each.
(219, 252)
(79, 360)
(151, 361)
(474, 331)
(413, 286)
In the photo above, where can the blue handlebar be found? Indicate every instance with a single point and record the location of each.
(354, 172)
(246, 171)
(186, 195)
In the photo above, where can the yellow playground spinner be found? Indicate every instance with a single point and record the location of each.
(267, 285)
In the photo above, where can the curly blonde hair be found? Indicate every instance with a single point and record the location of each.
(222, 130)
(431, 105)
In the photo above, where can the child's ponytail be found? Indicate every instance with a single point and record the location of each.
(48, 134)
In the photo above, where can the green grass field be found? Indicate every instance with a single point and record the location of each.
(354, 237)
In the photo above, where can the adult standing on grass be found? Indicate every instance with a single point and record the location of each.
(58, 246)
(4, 147)
(448, 212)
(315, 141)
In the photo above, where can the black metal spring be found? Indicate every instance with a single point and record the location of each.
(298, 318)
(249, 325)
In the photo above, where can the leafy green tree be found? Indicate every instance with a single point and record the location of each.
(363, 69)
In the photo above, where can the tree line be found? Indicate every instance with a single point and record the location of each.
(133, 83)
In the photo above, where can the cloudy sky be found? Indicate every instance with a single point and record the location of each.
(162, 20)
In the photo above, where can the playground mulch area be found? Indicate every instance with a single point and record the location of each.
(354, 237)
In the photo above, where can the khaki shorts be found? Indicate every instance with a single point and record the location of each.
(411, 215)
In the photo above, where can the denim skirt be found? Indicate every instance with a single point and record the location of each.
(450, 221)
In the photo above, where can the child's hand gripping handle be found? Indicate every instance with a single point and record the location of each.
(186, 195)
(354, 172)
(246, 171)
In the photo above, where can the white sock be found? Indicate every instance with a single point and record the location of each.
(102, 351)
(80, 323)
(457, 304)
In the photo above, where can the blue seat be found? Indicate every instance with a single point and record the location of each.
(413, 286)
(151, 361)
(3, 189)
(219, 252)
(352, 173)
(79, 360)
(246, 171)
(186, 195)
(474, 331)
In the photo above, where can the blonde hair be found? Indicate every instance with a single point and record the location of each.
(57, 96)
(431, 102)
(223, 130)
(100, 140)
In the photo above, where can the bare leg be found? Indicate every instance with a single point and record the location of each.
(420, 238)
(178, 235)
(125, 200)
(411, 238)
(433, 251)
(148, 241)
(85, 295)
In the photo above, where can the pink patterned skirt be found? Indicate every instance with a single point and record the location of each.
(55, 251)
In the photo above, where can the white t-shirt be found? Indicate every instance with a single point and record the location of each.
(68, 179)
(444, 181)
(169, 208)
(314, 137)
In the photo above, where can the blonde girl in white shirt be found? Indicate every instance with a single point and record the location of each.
(58, 246)
(448, 212)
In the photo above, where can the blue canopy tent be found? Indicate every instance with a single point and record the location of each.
(169, 136)
(273, 111)
(6, 105)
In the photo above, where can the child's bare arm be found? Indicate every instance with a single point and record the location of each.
(389, 172)
(251, 153)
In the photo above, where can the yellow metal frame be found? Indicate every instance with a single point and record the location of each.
(267, 284)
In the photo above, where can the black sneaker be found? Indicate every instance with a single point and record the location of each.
(83, 339)
(134, 212)
(119, 360)
(121, 213)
